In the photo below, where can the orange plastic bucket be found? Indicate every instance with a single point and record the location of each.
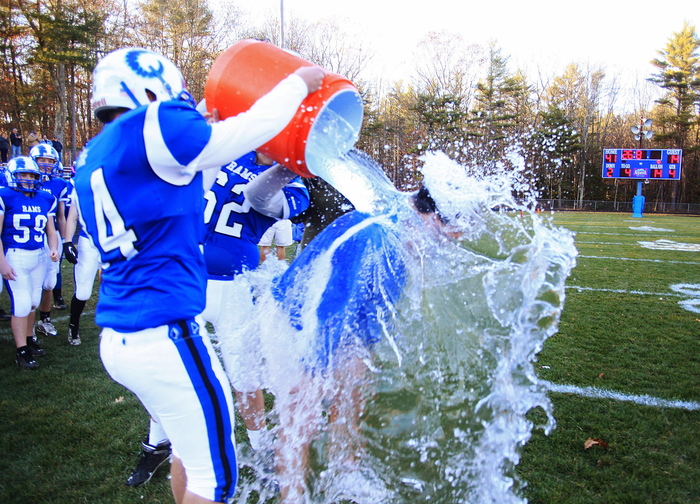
(249, 69)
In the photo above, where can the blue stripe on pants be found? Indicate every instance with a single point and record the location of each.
(194, 354)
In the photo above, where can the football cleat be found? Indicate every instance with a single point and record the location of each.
(59, 304)
(25, 359)
(73, 336)
(152, 457)
(34, 347)
(47, 327)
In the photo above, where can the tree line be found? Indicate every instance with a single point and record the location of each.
(462, 98)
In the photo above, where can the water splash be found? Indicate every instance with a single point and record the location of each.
(329, 156)
(435, 412)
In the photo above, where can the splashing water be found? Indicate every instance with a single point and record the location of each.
(435, 411)
(328, 156)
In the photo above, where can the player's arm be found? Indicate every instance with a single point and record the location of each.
(214, 145)
(61, 218)
(264, 192)
(71, 222)
(5, 269)
(52, 238)
(70, 252)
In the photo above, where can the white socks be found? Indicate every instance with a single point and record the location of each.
(156, 434)
(255, 438)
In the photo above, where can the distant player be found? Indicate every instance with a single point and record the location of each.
(47, 159)
(280, 233)
(86, 259)
(26, 222)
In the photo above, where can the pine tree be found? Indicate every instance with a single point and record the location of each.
(679, 75)
(555, 145)
(494, 117)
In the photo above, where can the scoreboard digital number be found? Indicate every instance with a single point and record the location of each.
(660, 164)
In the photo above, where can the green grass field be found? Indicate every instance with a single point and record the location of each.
(68, 434)
(623, 331)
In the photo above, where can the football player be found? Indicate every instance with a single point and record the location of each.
(26, 223)
(238, 212)
(247, 198)
(140, 194)
(332, 305)
(86, 260)
(46, 158)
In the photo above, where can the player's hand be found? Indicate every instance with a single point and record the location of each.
(55, 255)
(312, 76)
(70, 252)
(7, 272)
(212, 117)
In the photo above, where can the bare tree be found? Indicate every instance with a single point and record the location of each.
(446, 63)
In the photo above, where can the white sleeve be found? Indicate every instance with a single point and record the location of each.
(230, 138)
(265, 195)
(238, 135)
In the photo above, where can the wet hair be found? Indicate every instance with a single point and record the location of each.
(425, 203)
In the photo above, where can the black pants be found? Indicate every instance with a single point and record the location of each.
(3, 155)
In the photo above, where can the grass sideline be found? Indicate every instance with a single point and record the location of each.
(71, 435)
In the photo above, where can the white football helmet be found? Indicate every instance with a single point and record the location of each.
(45, 151)
(122, 77)
(16, 171)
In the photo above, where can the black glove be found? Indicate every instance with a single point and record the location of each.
(70, 252)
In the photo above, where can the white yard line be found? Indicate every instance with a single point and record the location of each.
(601, 243)
(640, 260)
(6, 332)
(644, 400)
(623, 291)
(578, 233)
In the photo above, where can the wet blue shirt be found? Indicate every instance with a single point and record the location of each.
(359, 259)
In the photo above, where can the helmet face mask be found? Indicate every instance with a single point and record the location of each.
(23, 174)
(124, 78)
(46, 158)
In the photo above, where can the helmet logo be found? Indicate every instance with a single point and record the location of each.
(132, 59)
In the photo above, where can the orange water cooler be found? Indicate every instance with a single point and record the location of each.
(250, 69)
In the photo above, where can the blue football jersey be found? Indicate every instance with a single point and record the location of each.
(25, 218)
(233, 227)
(368, 274)
(148, 231)
(57, 187)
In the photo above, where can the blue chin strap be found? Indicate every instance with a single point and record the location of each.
(128, 92)
(187, 98)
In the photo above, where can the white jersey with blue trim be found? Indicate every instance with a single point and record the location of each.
(25, 217)
(233, 227)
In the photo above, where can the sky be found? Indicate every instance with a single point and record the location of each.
(620, 36)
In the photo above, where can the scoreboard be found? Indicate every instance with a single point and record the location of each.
(661, 164)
